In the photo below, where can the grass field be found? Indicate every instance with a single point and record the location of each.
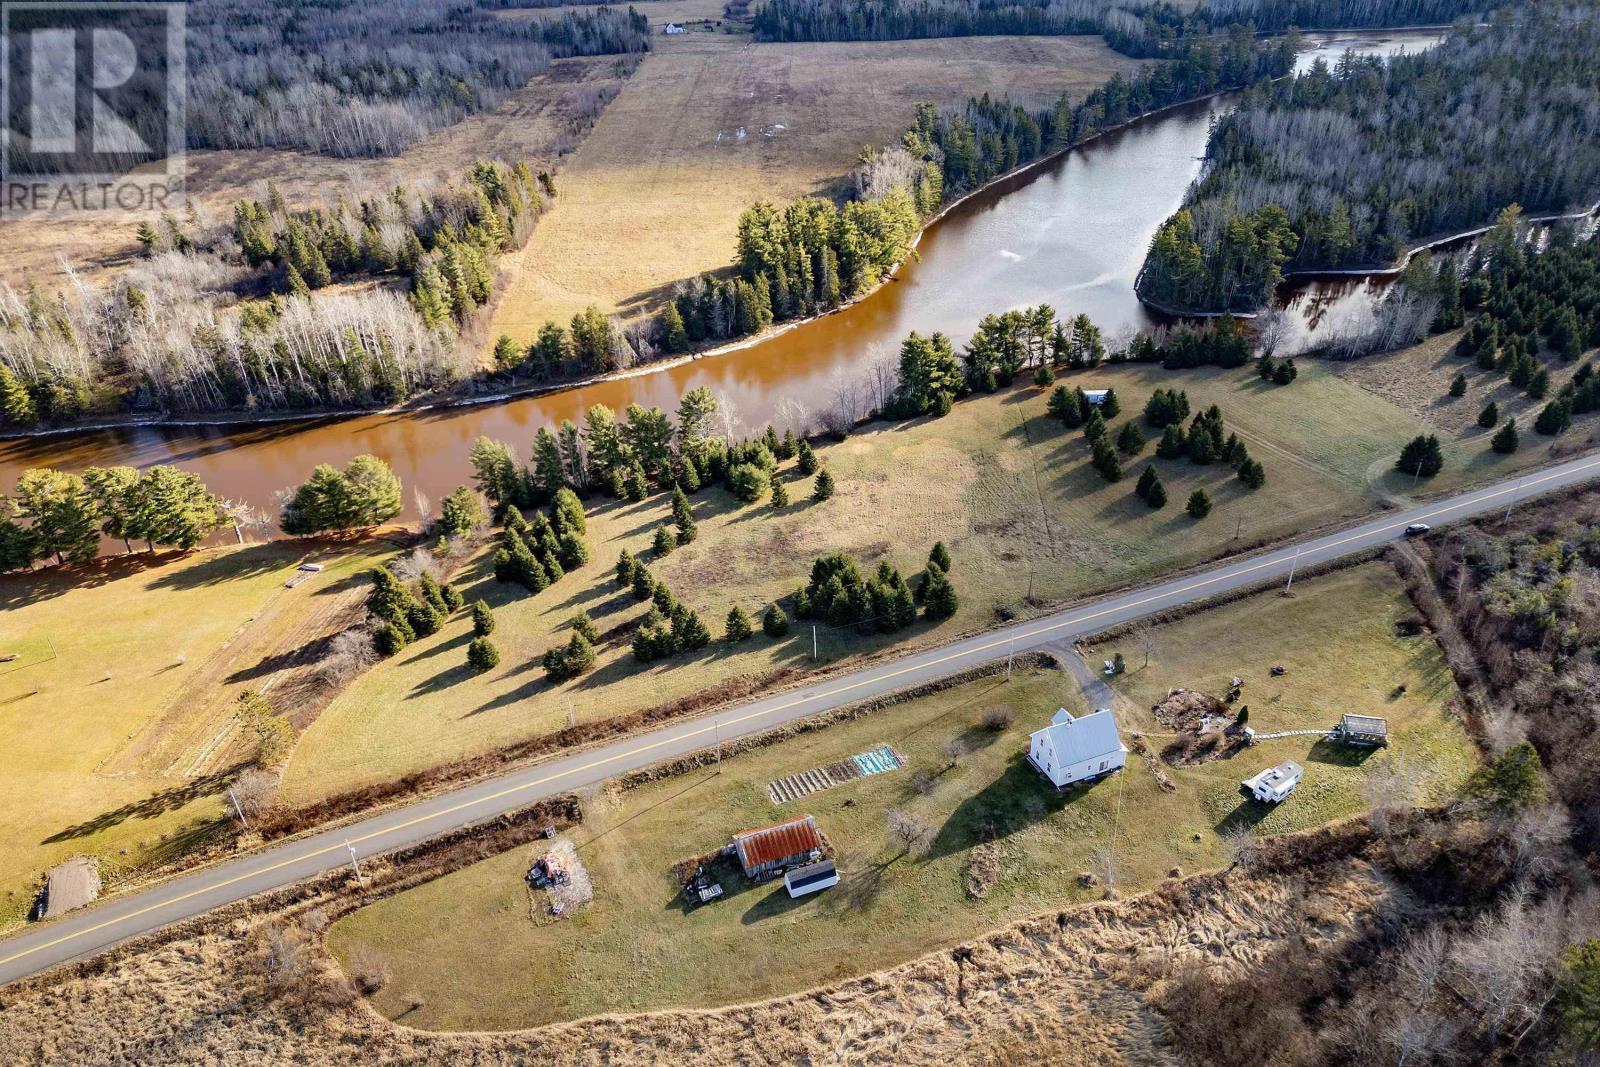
(1417, 379)
(654, 193)
(107, 712)
(464, 946)
(1009, 491)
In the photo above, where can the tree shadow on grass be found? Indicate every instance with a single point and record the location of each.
(222, 567)
(443, 680)
(308, 652)
(150, 807)
(1017, 799)
(459, 641)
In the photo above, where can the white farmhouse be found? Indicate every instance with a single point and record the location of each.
(1077, 749)
(1275, 783)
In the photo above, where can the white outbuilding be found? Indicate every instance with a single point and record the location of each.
(1077, 749)
(1275, 783)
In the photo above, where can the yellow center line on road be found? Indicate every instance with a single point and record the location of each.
(1070, 621)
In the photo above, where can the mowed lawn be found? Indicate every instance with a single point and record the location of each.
(1000, 482)
(463, 952)
(101, 652)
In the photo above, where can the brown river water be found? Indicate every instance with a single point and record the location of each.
(1070, 232)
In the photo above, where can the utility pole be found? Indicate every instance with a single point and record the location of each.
(355, 864)
(1009, 643)
(1238, 526)
(1416, 473)
(813, 642)
(237, 809)
(1513, 500)
(1296, 562)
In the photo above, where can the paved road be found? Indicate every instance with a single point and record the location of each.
(121, 917)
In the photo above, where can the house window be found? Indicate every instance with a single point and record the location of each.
(1102, 765)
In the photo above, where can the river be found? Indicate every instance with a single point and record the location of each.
(1070, 232)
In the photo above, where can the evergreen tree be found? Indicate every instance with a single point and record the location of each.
(1422, 457)
(482, 654)
(938, 595)
(1554, 417)
(774, 623)
(1458, 385)
(674, 338)
(1252, 473)
(16, 403)
(682, 517)
(582, 624)
(780, 495)
(738, 625)
(1199, 505)
(691, 634)
(644, 583)
(823, 488)
(1105, 461)
(482, 618)
(1130, 442)
(1489, 415)
(364, 494)
(1173, 443)
(462, 512)
(665, 541)
(805, 459)
(1505, 440)
(1110, 406)
(940, 556)
(60, 511)
(1044, 377)
(625, 568)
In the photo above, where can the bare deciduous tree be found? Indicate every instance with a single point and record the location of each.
(910, 831)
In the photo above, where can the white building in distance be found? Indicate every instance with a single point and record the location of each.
(1077, 749)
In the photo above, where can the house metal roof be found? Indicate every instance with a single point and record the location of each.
(777, 842)
(1086, 737)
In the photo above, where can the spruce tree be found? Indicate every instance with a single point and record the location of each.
(780, 494)
(644, 583)
(823, 488)
(938, 595)
(1199, 505)
(16, 403)
(1252, 473)
(1489, 415)
(482, 654)
(482, 618)
(1110, 405)
(1130, 442)
(1173, 443)
(625, 568)
(1044, 377)
(940, 556)
(738, 625)
(805, 459)
(1554, 417)
(774, 623)
(665, 541)
(1422, 457)
(682, 517)
(1505, 439)
(1458, 385)
(1156, 495)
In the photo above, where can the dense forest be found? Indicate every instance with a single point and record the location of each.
(1347, 167)
(1135, 28)
(226, 319)
(369, 78)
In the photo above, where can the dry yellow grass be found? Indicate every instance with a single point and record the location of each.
(537, 124)
(114, 716)
(655, 192)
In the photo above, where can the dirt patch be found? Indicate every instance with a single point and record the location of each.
(983, 870)
(1189, 710)
(1205, 726)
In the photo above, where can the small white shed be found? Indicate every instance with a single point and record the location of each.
(675, 28)
(1275, 783)
(1077, 749)
(1095, 396)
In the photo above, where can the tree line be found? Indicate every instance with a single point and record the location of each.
(61, 516)
(366, 78)
(1139, 28)
(1346, 167)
